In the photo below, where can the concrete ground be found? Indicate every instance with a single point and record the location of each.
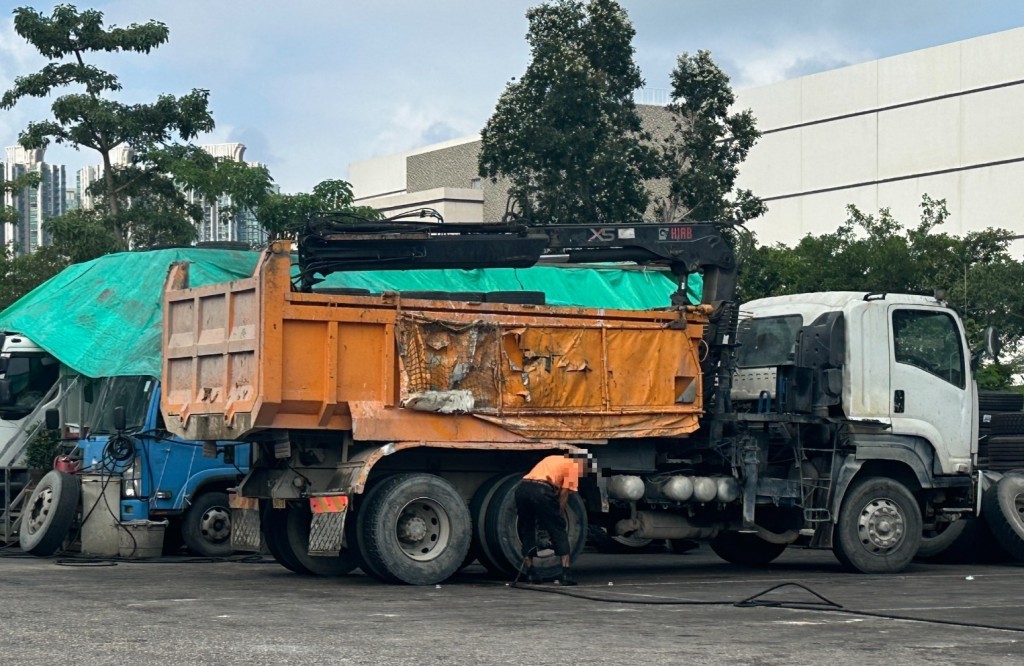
(180, 612)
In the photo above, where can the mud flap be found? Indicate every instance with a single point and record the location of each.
(246, 534)
(327, 531)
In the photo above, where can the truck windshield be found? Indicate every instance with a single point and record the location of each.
(31, 376)
(104, 394)
(768, 341)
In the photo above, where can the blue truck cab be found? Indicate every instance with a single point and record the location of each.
(162, 476)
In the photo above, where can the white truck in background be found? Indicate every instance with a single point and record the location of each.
(896, 372)
(28, 387)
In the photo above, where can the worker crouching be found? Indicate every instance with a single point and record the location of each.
(541, 501)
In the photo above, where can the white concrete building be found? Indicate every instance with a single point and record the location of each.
(941, 121)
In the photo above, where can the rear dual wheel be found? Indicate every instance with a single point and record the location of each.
(413, 529)
(496, 520)
(287, 536)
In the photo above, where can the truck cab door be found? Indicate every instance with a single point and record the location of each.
(930, 391)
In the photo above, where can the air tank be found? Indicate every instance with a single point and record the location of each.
(626, 487)
(705, 489)
(727, 489)
(678, 488)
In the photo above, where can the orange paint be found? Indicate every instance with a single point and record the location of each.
(251, 355)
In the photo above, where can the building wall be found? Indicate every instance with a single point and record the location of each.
(940, 121)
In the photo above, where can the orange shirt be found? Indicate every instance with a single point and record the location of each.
(559, 471)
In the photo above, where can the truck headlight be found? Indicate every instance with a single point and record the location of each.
(131, 479)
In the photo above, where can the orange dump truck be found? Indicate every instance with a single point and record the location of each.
(391, 430)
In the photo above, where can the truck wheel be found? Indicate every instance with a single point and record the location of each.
(414, 529)
(503, 542)
(206, 527)
(287, 535)
(50, 512)
(493, 562)
(936, 540)
(1003, 509)
(748, 550)
(879, 529)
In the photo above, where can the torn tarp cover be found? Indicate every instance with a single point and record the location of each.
(103, 318)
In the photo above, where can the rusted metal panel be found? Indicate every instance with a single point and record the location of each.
(251, 355)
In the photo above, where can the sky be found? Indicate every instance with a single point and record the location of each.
(310, 86)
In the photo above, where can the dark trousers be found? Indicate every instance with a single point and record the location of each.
(537, 505)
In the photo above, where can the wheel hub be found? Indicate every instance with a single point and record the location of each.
(423, 529)
(40, 510)
(881, 526)
(215, 525)
(411, 528)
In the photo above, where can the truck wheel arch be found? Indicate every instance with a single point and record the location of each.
(906, 459)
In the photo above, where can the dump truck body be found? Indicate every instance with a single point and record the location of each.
(252, 355)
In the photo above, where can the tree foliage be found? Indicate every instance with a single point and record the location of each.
(283, 214)
(876, 253)
(567, 134)
(144, 201)
(700, 159)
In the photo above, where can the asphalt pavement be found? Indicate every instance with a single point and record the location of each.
(180, 611)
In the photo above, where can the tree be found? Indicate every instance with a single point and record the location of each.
(700, 159)
(567, 135)
(145, 200)
(21, 274)
(876, 253)
(281, 215)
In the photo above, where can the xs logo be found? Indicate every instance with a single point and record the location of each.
(604, 235)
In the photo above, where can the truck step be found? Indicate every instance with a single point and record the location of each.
(817, 515)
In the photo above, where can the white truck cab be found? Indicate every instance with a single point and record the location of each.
(903, 362)
(28, 385)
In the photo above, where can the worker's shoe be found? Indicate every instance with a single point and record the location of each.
(566, 579)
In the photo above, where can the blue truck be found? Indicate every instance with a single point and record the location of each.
(163, 477)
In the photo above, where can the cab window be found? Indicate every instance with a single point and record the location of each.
(930, 341)
(768, 341)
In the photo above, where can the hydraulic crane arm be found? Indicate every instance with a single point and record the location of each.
(326, 247)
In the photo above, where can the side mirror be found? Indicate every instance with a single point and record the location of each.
(993, 346)
(53, 419)
(119, 421)
(87, 392)
(5, 391)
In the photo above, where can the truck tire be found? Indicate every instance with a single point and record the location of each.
(287, 536)
(748, 550)
(415, 528)
(1000, 401)
(49, 514)
(1003, 509)
(355, 527)
(935, 541)
(206, 526)
(1007, 423)
(976, 545)
(502, 538)
(879, 529)
(478, 512)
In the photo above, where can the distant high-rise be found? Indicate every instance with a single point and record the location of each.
(34, 204)
(220, 222)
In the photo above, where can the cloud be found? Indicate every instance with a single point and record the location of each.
(795, 56)
(413, 126)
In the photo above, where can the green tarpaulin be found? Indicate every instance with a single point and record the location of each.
(103, 318)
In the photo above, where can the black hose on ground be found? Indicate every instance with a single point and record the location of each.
(757, 601)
